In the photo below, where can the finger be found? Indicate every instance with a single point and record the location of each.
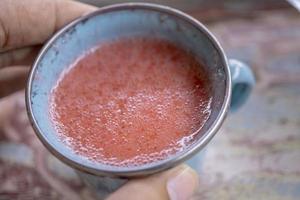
(24, 56)
(176, 184)
(31, 22)
(12, 79)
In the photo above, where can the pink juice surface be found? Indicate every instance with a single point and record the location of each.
(131, 101)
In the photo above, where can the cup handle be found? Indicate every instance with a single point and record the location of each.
(243, 81)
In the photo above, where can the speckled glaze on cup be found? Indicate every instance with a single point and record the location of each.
(229, 79)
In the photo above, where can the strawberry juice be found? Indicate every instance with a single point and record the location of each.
(131, 101)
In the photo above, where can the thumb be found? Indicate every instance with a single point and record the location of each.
(178, 183)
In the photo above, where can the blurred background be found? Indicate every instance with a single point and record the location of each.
(255, 155)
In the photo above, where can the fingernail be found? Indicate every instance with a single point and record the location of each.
(183, 185)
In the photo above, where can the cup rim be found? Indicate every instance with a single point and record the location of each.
(144, 169)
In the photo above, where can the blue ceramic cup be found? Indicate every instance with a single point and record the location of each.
(231, 80)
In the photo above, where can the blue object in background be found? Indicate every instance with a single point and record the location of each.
(243, 81)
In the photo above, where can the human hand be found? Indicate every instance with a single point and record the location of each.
(178, 183)
(24, 27)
